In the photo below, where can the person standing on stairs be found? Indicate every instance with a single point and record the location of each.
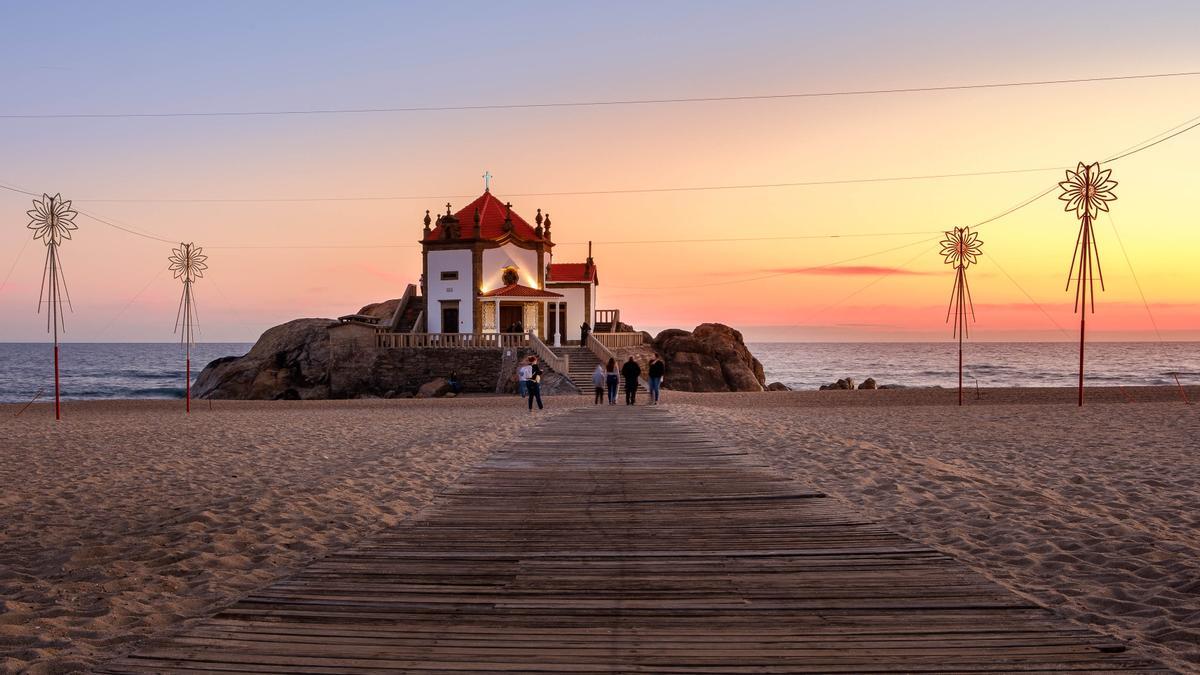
(631, 371)
(598, 380)
(611, 378)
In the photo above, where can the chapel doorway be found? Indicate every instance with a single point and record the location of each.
(510, 315)
(449, 317)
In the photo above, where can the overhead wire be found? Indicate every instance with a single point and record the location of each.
(579, 193)
(603, 103)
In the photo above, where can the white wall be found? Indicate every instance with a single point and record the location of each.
(574, 298)
(496, 259)
(461, 289)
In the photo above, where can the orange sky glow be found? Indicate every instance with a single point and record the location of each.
(770, 269)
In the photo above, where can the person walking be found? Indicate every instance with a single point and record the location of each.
(657, 370)
(598, 382)
(584, 329)
(534, 385)
(631, 371)
(611, 378)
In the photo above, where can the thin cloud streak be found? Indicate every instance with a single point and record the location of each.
(846, 270)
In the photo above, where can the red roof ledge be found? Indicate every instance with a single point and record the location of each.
(571, 273)
(518, 291)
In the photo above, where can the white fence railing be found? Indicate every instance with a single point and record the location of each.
(547, 355)
(612, 317)
(618, 340)
(450, 340)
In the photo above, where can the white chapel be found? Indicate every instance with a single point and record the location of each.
(485, 269)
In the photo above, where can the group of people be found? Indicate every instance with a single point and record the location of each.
(606, 378)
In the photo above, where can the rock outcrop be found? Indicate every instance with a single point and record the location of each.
(868, 383)
(713, 357)
(778, 386)
(290, 361)
(435, 388)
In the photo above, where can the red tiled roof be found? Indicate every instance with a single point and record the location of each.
(518, 291)
(491, 221)
(571, 273)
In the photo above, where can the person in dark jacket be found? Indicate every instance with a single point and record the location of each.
(657, 370)
(535, 383)
(584, 329)
(631, 371)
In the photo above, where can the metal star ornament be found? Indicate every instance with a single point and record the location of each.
(961, 248)
(1087, 191)
(52, 220)
(188, 264)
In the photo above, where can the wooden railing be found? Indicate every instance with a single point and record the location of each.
(547, 355)
(602, 352)
(618, 340)
(608, 316)
(449, 340)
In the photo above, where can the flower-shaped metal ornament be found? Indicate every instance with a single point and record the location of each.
(1088, 190)
(961, 247)
(52, 219)
(188, 262)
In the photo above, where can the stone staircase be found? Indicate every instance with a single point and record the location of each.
(582, 362)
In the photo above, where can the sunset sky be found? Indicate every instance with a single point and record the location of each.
(882, 279)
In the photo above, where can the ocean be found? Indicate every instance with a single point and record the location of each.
(155, 370)
(102, 370)
(990, 364)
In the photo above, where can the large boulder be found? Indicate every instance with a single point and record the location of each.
(383, 311)
(435, 388)
(778, 386)
(290, 361)
(713, 357)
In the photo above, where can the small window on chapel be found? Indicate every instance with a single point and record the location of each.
(450, 276)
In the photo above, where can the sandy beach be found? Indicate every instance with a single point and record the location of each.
(1094, 513)
(128, 519)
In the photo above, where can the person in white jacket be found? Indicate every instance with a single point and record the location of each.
(598, 380)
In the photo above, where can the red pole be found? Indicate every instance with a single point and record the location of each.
(53, 311)
(57, 410)
(1081, 323)
(960, 399)
(1084, 276)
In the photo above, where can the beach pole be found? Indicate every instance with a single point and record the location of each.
(1086, 191)
(1084, 268)
(961, 327)
(54, 318)
(187, 263)
(961, 248)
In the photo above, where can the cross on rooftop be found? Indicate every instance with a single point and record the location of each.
(487, 181)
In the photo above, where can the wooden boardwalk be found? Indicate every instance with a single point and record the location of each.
(619, 540)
